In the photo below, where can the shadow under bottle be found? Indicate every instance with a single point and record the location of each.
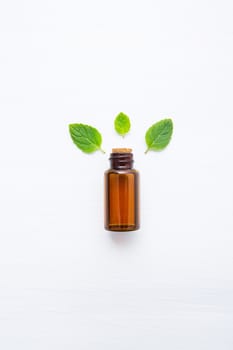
(121, 192)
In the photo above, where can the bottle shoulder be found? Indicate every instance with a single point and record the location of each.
(125, 171)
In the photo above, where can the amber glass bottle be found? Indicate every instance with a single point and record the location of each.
(121, 192)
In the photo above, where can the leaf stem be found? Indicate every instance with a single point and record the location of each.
(101, 150)
(146, 150)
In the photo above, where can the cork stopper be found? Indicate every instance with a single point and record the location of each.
(122, 150)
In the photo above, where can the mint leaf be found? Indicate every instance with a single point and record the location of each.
(86, 138)
(159, 135)
(122, 124)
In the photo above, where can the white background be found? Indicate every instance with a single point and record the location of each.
(65, 283)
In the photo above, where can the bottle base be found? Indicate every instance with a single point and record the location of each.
(121, 228)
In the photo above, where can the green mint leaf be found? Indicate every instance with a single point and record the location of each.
(159, 135)
(122, 124)
(86, 138)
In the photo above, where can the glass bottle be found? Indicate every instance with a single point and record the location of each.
(121, 192)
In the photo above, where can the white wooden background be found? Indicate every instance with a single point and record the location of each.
(65, 283)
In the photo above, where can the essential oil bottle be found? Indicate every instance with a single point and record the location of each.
(121, 192)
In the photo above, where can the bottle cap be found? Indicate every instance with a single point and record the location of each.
(122, 150)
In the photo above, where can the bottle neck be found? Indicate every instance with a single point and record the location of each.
(121, 161)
